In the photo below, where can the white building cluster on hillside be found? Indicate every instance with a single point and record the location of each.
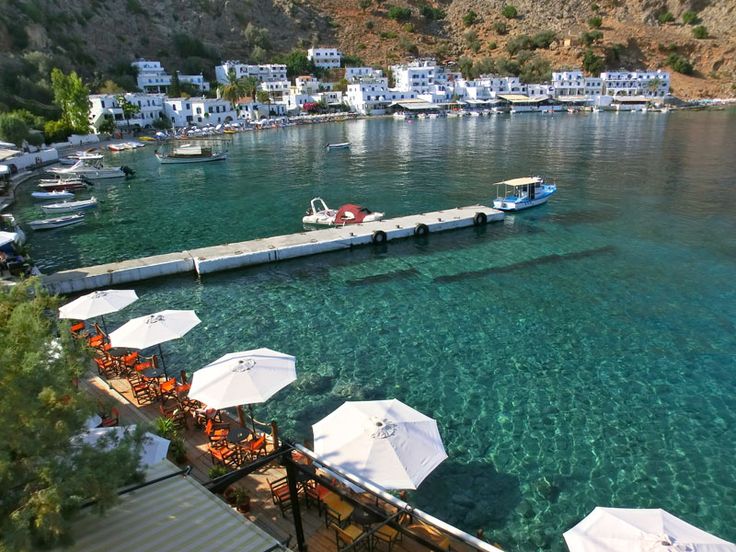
(422, 82)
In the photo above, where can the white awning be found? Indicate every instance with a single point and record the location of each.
(174, 515)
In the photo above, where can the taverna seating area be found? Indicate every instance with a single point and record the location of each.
(291, 491)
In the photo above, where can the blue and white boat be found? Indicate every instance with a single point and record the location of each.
(521, 193)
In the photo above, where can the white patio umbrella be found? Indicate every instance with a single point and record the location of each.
(154, 329)
(98, 303)
(154, 447)
(386, 442)
(640, 530)
(7, 237)
(245, 377)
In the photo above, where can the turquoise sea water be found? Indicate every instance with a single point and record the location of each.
(579, 354)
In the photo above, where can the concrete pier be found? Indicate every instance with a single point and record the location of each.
(266, 250)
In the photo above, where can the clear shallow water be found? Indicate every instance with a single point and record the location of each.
(579, 354)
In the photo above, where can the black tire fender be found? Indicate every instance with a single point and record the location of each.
(379, 237)
(479, 219)
(421, 230)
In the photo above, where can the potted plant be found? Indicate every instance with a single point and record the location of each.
(230, 496)
(242, 500)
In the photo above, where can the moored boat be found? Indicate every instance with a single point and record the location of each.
(46, 196)
(92, 169)
(9, 224)
(70, 206)
(340, 145)
(63, 184)
(190, 153)
(521, 193)
(58, 222)
(321, 215)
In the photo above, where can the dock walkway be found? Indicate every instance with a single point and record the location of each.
(266, 250)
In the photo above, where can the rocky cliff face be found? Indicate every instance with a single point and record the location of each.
(101, 37)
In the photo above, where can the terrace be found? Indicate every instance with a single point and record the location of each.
(334, 510)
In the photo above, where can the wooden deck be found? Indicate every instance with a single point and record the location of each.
(263, 511)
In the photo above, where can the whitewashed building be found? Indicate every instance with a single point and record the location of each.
(354, 74)
(373, 96)
(151, 75)
(487, 87)
(574, 83)
(277, 90)
(254, 111)
(306, 84)
(327, 58)
(418, 76)
(106, 106)
(199, 111)
(264, 73)
(651, 84)
(197, 81)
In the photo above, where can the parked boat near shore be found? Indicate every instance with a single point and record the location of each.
(321, 215)
(63, 184)
(70, 206)
(92, 169)
(58, 222)
(46, 196)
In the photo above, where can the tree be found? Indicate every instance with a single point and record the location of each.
(71, 95)
(129, 109)
(399, 14)
(57, 131)
(665, 17)
(174, 90)
(13, 128)
(700, 32)
(233, 90)
(263, 97)
(595, 22)
(680, 64)
(509, 11)
(364, 4)
(653, 85)
(297, 64)
(592, 63)
(110, 87)
(45, 475)
(250, 86)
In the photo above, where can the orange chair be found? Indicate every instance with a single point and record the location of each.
(167, 390)
(112, 420)
(106, 367)
(224, 456)
(78, 330)
(254, 449)
(217, 433)
(140, 388)
(280, 494)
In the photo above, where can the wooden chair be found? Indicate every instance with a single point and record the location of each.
(280, 494)
(112, 420)
(106, 367)
(216, 433)
(314, 493)
(224, 456)
(386, 535)
(170, 409)
(336, 510)
(79, 330)
(348, 537)
(167, 390)
(255, 448)
(141, 390)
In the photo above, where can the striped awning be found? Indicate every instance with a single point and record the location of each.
(174, 515)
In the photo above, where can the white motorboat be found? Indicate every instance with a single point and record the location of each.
(321, 215)
(190, 153)
(92, 169)
(9, 224)
(70, 206)
(340, 145)
(63, 184)
(521, 193)
(58, 222)
(47, 196)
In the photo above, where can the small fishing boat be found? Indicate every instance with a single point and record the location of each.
(93, 169)
(190, 153)
(63, 184)
(70, 206)
(321, 215)
(9, 224)
(47, 196)
(521, 193)
(340, 145)
(58, 222)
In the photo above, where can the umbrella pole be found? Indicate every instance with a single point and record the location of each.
(252, 419)
(163, 364)
(104, 326)
(241, 414)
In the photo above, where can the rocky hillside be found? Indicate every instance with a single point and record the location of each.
(100, 38)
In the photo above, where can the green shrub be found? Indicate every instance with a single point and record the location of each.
(13, 128)
(431, 14)
(592, 63)
(521, 42)
(501, 28)
(217, 471)
(364, 4)
(471, 39)
(57, 131)
(595, 8)
(470, 18)
(107, 126)
(665, 17)
(408, 27)
(492, 45)
(591, 37)
(689, 17)
(369, 25)
(544, 39)
(399, 14)
(700, 32)
(508, 67)
(595, 22)
(680, 64)
(509, 11)
(388, 35)
(134, 7)
(408, 46)
(35, 139)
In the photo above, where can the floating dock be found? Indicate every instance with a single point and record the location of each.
(267, 250)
